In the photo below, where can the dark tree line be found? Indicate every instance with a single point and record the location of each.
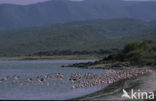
(70, 52)
(140, 52)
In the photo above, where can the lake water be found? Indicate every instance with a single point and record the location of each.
(58, 90)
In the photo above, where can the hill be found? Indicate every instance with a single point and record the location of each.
(61, 11)
(85, 35)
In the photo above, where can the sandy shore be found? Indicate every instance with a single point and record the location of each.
(114, 91)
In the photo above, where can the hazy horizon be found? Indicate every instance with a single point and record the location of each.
(26, 2)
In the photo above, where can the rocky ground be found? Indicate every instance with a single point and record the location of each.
(103, 64)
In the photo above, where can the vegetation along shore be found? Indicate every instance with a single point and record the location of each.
(135, 54)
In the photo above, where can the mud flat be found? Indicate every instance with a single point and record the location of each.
(114, 91)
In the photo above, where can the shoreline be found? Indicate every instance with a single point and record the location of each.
(121, 82)
(63, 57)
(100, 64)
(114, 91)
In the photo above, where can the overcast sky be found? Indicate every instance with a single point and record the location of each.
(35, 1)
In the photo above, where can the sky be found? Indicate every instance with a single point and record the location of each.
(25, 2)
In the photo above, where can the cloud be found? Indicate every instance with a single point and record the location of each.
(21, 1)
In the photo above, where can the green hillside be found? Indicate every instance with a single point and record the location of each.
(77, 36)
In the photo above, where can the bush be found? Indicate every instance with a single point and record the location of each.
(137, 51)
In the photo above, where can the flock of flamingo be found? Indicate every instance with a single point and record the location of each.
(78, 80)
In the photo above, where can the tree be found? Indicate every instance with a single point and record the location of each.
(136, 50)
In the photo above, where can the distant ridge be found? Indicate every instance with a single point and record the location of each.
(76, 36)
(61, 11)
